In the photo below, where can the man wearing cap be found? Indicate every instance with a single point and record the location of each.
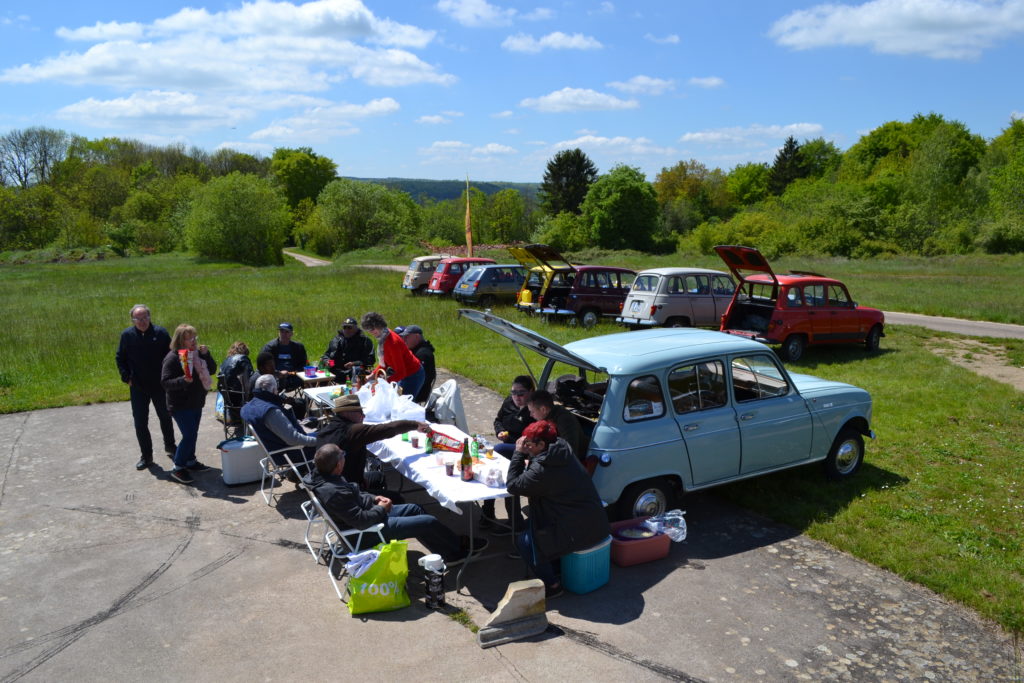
(289, 355)
(424, 351)
(275, 425)
(346, 429)
(351, 347)
(140, 356)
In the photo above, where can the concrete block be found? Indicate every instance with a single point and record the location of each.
(521, 613)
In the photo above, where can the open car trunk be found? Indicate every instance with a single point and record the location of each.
(755, 298)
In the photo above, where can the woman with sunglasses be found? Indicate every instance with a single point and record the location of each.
(566, 514)
(513, 417)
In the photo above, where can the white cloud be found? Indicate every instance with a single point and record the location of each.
(502, 114)
(942, 29)
(577, 99)
(452, 113)
(512, 131)
(160, 110)
(248, 147)
(755, 134)
(101, 31)
(325, 122)
(476, 13)
(670, 39)
(619, 145)
(539, 14)
(604, 8)
(433, 119)
(522, 42)
(708, 82)
(446, 145)
(492, 148)
(644, 85)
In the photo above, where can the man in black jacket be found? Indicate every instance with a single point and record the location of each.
(351, 347)
(349, 507)
(566, 514)
(140, 355)
(542, 407)
(346, 430)
(289, 356)
(424, 351)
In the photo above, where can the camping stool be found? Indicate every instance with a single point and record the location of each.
(587, 570)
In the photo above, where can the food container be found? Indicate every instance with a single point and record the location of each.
(310, 370)
(629, 551)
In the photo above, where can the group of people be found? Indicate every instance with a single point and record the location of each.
(543, 441)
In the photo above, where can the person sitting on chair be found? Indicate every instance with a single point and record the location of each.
(265, 365)
(566, 514)
(346, 430)
(513, 417)
(542, 407)
(349, 348)
(348, 507)
(275, 425)
(289, 356)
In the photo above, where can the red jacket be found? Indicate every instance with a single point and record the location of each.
(396, 355)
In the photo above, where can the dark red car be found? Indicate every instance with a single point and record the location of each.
(794, 310)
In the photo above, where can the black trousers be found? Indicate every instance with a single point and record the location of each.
(141, 397)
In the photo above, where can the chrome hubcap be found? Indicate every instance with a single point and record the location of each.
(649, 503)
(847, 456)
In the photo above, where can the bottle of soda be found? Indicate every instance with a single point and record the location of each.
(466, 462)
(428, 442)
(474, 449)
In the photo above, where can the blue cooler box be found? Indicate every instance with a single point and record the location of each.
(587, 570)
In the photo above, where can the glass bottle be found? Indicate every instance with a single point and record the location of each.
(466, 462)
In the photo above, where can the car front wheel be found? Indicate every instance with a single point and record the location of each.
(589, 318)
(873, 339)
(846, 455)
(646, 499)
(793, 347)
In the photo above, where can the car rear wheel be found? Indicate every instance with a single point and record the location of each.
(419, 291)
(793, 348)
(846, 455)
(645, 499)
(677, 321)
(873, 339)
(589, 318)
(486, 301)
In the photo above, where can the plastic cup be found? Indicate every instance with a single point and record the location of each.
(449, 469)
(415, 440)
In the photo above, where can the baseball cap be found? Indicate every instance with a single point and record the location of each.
(349, 322)
(410, 329)
(285, 326)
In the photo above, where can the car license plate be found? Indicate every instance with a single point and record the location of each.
(634, 306)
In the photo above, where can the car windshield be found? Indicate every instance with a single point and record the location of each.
(646, 283)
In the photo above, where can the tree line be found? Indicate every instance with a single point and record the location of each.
(928, 186)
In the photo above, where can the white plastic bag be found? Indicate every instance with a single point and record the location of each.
(404, 408)
(670, 523)
(377, 404)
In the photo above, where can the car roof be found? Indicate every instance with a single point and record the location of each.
(679, 271)
(463, 259)
(498, 265)
(610, 268)
(628, 353)
(432, 257)
(794, 279)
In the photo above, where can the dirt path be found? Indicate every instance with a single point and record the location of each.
(307, 260)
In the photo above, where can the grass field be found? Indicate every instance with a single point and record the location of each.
(939, 501)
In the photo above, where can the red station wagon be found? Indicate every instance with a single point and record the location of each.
(448, 272)
(794, 310)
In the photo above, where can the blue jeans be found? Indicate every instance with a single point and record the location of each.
(409, 520)
(412, 384)
(141, 397)
(188, 425)
(545, 571)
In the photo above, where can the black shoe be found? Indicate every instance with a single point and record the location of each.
(143, 463)
(169, 452)
(198, 467)
(182, 476)
(553, 591)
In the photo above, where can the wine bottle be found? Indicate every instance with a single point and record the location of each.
(466, 462)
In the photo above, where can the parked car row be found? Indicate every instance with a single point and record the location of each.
(792, 311)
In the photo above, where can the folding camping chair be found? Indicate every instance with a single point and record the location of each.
(272, 472)
(341, 543)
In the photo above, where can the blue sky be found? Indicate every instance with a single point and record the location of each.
(493, 89)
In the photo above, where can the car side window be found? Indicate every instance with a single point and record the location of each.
(643, 399)
(697, 387)
(675, 285)
(722, 286)
(793, 298)
(697, 284)
(837, 296)
(756, 378)
(603, 281)
(814, 295)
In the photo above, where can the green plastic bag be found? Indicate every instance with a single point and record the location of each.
(382, 587)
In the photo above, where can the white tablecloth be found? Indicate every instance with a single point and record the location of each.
(421, 467)
(321, 396)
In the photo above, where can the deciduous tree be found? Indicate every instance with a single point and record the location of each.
(621, 210)
(301, 173)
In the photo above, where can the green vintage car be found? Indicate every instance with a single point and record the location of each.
(668, 411)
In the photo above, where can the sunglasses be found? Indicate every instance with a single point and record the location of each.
(519, 393)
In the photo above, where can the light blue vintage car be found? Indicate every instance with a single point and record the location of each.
(669, 411)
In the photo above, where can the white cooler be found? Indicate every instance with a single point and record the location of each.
(240, 461)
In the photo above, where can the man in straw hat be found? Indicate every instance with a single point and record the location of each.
(346, 430)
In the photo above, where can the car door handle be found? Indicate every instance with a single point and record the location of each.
(747, 416)
(690, 427)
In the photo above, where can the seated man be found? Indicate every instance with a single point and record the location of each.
(346, 430)
(542, 407)
(566, 514)
(349, 348)
(289, 356)
(275, 425)
(348, 507)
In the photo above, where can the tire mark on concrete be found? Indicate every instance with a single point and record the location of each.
(591, 641)
(72, 633)
(11, 456)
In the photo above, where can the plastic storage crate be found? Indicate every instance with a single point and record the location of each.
(587, 570)
(629, 551)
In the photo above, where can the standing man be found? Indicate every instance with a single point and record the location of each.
(289, 355)
(140, 355)
(424, 350)
(351, 347)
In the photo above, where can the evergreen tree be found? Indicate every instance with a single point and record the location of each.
(568, 176)
(788, 167)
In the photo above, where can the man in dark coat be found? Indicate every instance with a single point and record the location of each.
(289, 356)
(276, 426)
(424, 351)
(351, 347)
(566, 514)
(348, 507)
(542, 407)
(346, 430)
(140, 356)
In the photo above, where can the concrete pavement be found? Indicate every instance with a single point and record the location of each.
(108, 573)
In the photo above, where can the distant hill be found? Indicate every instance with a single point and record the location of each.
(451, 189)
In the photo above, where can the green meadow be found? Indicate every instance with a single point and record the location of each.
(940, 499)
